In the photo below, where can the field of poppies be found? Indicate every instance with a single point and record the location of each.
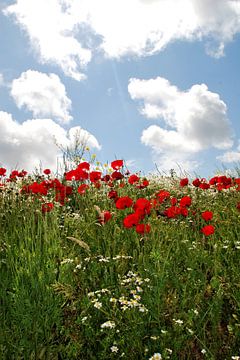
(101, 263)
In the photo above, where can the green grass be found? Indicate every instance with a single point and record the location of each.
(172, 291)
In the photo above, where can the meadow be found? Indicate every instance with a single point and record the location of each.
(101, 263)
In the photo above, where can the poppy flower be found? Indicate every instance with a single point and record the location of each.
(207, 215)
(143, 184)
(208, 230)
(143, 228)
(173, 201)
(117, 164)
(196, 182)
(104, 217)
(142, 206)
(82, 188)
(95, 176)
(185, 201)
(47, 207)
(131, 220)
(2, 171)
(133, 179)
(172, 211)
(47, 171)
(116, 175)
(204, 186)
(162, 195)
(83, 166)
(124, 202)
(113, 194)
(183, 182)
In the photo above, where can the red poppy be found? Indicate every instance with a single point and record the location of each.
(47, 171)
(204, 186)
(22, 173)
(142, 206)
(207, 215)
(133, 179)
(143, 184)
(173, 201)
(184, 211)
(2, 171)
(163, 195)
(113, 194)
(184, 182)
(172, 212)
(95, 176)
(47, 207)
(131, 220)
(117, 164)
(116, 175)
(208, 230)
(185, 201)
(143, 228)
(196, 182)
(82, 188)
(83, 166)
(105, 217)
(124, 202)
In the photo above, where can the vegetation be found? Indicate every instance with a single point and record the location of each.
(104, 264)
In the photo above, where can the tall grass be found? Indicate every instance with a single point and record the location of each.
(73, 287)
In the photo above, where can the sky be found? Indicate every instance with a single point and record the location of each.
(153, 82)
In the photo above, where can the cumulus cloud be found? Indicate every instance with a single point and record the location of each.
(51, 31)
(27, 144)
(74, 29)
(230, 156)
(44, 95)
(192, 120)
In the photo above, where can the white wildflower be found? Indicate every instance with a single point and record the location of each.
(108, 324)
(114, 349)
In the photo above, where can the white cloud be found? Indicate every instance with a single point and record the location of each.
(52, 34)
(44, 95)
(25, 145)
(193, 120)
(74, 29)
(1, 80)
(230, 156)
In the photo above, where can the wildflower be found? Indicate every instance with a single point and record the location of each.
(108, 324)
(113, 194)
(97, 305)
(131, 220)
(104, 217)
(133, 179)
(114, 349)
(196, 182)
(143, 228)
(95, 176)
(2, 171)
(47, 171)
(183, 182)
(47, 207)
(82, 188)
(207, 215)
(124, 202)
(156, 356)
(185, 201)
(116, 164)
(116, 175)
(208, 230)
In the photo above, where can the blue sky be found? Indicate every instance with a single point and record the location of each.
(146, 81)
